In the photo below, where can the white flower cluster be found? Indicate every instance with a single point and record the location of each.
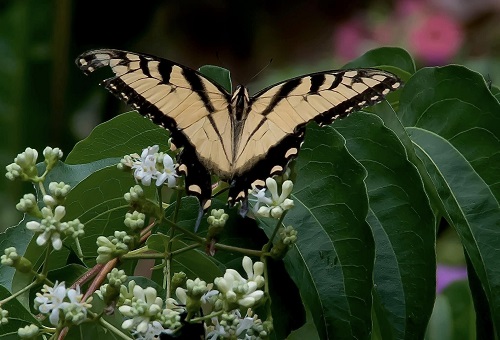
(113, 246)
(64, 306)
(24, 166)
(51, 228)
(151, 165)
(146, 313)
(231, 325)
(237, 292)
(275, 205)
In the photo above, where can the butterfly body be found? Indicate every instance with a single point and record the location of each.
(240, 138)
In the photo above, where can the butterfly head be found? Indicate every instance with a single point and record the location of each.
(240, 96)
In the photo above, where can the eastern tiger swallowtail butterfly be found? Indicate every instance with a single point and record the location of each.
(242, 139)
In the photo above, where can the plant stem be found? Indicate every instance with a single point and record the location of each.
(19, 292)
(266, 249)
(114, 330)
(42, 188)
(46, 260)
(206, 317)
(79, 251)
(168, 260)
(177, 205)
(250, 252)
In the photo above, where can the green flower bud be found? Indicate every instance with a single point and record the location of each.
(52, 156)
(135, 220)
(28, 332)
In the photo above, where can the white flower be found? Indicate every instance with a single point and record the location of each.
(152, 165)
(218, 331)
(275, 205)
(50, 227)
(144, 308)
(153, 332)
(236, 291)
(168, 174)
(75, 311)
(245, 324)
(51, 300)
(145, 167)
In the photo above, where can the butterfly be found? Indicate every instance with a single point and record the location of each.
(240, 138)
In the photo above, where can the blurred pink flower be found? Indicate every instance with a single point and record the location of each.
(384, 33)
(446, 275)
(348, 38)
(410, 7)
(436, 39)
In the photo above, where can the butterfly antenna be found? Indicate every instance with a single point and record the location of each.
(261, 70)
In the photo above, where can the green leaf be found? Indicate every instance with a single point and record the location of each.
(456, 132)
(99, 204)
(19, 316)
(395, 57)
(332, 261)
(462, 310)
(441, 323)
(403, 227)
(19, 237)
(124, 134)
(219, 75)
(70, 273)
(74, 174)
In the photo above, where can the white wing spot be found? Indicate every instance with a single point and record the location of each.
(83, 62)
(374, 98)
(207, 204)
(276, 168)
(183, 168)
(90, 69)
(291, 152)
(386, 91)
(258, 183)
(396, 85)
(195, 188)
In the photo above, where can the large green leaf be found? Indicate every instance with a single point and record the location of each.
(403, 227)
(125, 134)
(219, 75)
(332, 261)
(393, 59)
(453, 121)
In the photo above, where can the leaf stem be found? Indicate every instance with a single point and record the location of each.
(113, 329)
(265, 250)
(46, 260)
(178, 201)
(206, 317)
(19, 292)
(42, 188)
(79, 251)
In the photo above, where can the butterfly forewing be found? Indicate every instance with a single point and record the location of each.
(191, 107)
